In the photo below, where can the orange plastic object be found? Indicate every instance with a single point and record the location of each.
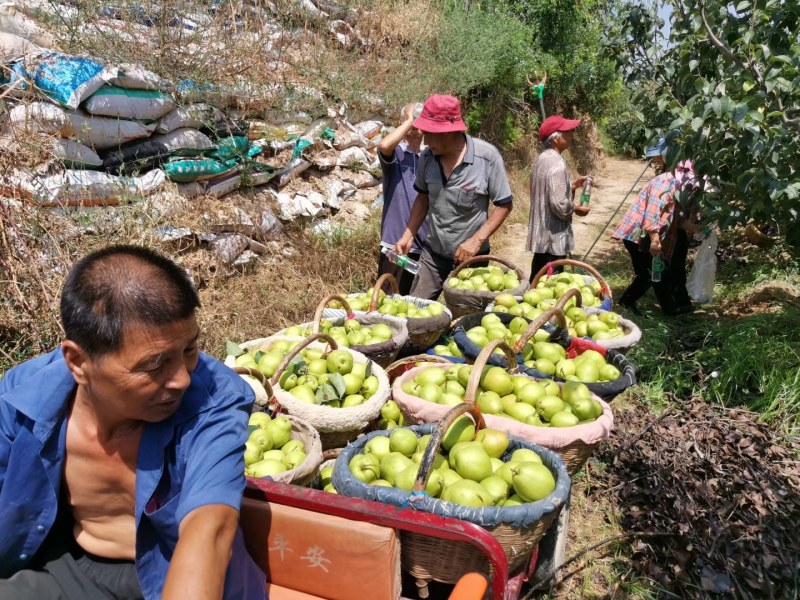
(471, 586)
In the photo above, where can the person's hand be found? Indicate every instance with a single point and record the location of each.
(655, 247)
(576, 183)
(403, 245)
(408, 112)
(466, 250)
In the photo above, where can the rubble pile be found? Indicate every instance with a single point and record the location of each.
(116, 133)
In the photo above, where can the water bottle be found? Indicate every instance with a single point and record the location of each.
(401, 260)
(586, 194)
(656, 269)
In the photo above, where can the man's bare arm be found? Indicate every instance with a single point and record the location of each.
(394, 137)
(418, 213)
(201, 557)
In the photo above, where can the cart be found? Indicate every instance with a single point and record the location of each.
(261, 494)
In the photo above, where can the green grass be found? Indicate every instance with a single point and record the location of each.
(743, 351)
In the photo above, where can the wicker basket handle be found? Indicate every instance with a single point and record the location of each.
(261, 378)
(480, 363)
(321, 307)
(376, 289)
(537, 324)
(486, 257)
(571, 293)
(399, 366)
(296, 350)
(426, 464)
(568, 262)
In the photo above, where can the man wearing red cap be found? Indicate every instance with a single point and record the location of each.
(550, 226)
(457, 177)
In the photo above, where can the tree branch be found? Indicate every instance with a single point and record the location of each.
(727, 51)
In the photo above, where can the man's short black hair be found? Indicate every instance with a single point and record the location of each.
(119, 286)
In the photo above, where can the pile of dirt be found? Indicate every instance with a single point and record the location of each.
(721, 493)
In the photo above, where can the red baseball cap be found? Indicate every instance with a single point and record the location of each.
(555, 123)
(440, 114)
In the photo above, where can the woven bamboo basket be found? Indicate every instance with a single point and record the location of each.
(336, 426)
(517, 529)
(464, 302)
(422, 332)
(574, 444)
(401, 365)
(606, 390)
(306, 472)
(383, 353)
(605, 289)
(632, 333)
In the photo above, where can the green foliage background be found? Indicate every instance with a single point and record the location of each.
(727, 80)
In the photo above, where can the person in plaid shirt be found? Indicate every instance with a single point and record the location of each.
(649, 229)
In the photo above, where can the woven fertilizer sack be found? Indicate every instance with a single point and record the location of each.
(186, 142)
(68, 80)
(14, 46)
(196, 116)
(41, 116)
(136, 156)
(135, 77)
(140, 105)
(100, 133)
(89, 188)
(15, 22)
(103, 133)
(75, 155)
(185, 170)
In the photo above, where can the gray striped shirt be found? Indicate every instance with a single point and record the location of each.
(550, 224)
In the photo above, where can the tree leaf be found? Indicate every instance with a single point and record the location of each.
(739, 113)
(337, 382)
(326, 393)
(297, 366)
(756, 116)
(234, 349)
(368, 369)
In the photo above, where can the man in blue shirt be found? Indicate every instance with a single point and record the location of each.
(398, 153)
(121, 453)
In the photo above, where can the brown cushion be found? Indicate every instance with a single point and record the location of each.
(322, 555)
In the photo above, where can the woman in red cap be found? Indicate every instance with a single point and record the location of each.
(457, 177)
(550, 226)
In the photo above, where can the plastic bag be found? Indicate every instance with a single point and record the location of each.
(700, 283)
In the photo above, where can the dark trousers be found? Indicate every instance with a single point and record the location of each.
(540, 260)
(676, 274)
(66, 572)
(403, 277)
(642, 261)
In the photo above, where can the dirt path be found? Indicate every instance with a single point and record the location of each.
(610, 186)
